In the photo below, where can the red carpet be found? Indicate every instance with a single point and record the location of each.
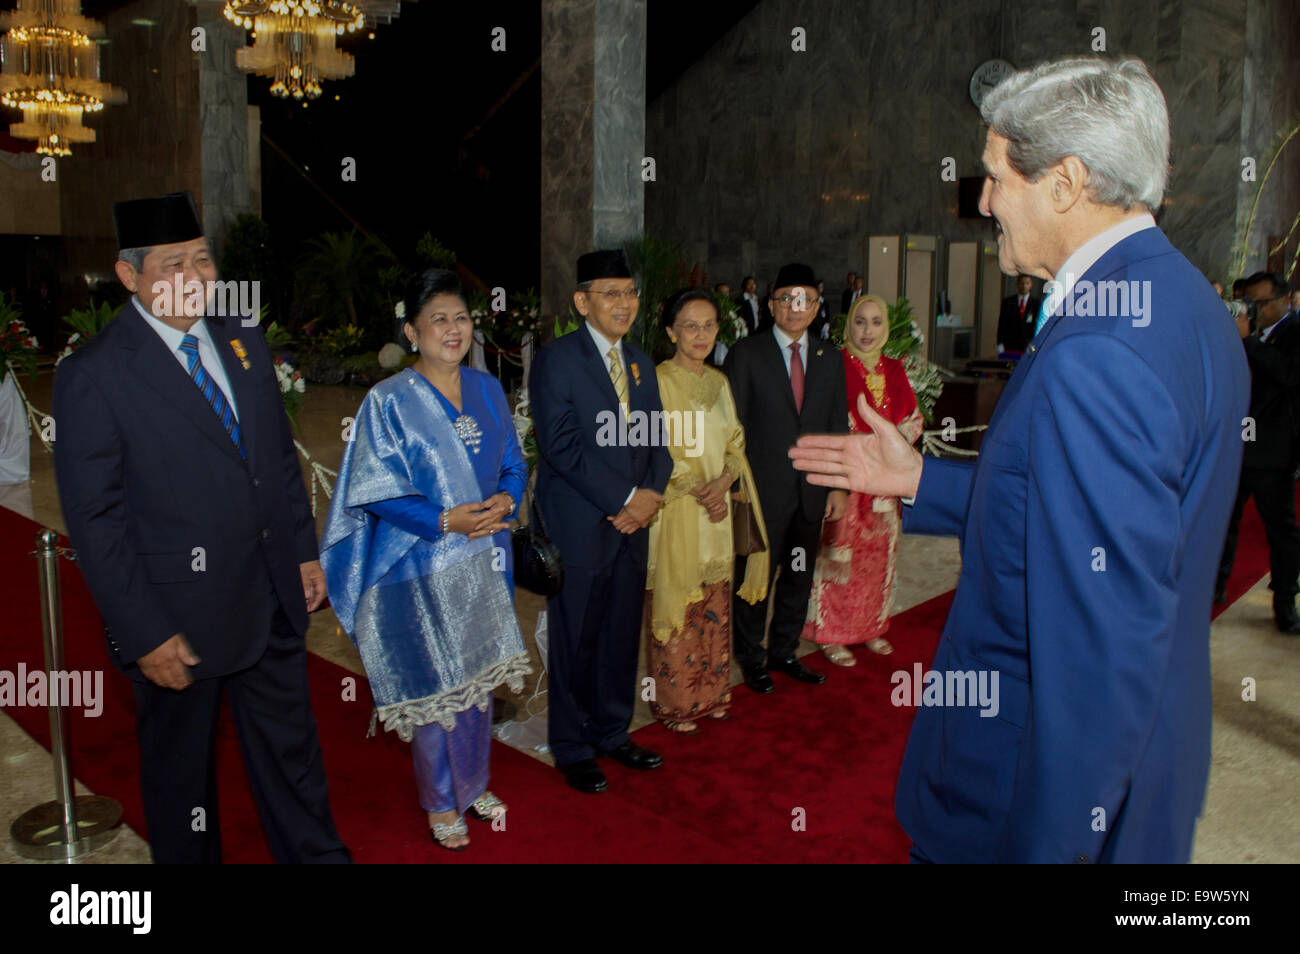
(804, 775)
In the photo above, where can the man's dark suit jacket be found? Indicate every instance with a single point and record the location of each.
(846, 299)
(765, 404)
(1274, 383)
(147, 476)
(1015, 333)
(580, 479)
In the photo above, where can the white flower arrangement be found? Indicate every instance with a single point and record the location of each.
(290, 380)
(399, 310)
(70, 347)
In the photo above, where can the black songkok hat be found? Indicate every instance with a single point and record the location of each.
(795, 274)
(166, 220)
(608, 263)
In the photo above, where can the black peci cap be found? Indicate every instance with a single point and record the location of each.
(793, 275)
(165, 220)
(608, 263)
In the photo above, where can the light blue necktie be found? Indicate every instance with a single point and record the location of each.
(1048, 306)
(217, 399)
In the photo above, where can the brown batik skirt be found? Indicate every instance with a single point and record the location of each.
(692, 670)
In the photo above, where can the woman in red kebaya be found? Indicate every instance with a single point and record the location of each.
(853, 582)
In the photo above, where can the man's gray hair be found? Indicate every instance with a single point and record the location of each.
(133, 256)
(1108, 113)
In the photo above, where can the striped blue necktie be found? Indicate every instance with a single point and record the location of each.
(190, 348)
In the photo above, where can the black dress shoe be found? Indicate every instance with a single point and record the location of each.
(759, 681)
(634, 756)
(797, 670)
(585, 776)
(1285, 616)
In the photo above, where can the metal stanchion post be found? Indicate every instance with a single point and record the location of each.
(71, 825)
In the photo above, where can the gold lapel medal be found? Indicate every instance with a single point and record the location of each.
(240, 352)
(636, 374)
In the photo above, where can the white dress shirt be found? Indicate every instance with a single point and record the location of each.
(603, 345)
(1083, 258)
(208, 356)
(784, 340)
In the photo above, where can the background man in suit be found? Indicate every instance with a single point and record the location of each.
(748, 304)
(821, 326)
(850, 293)
(181, 489)
(785, 383)
(1090, 524)
(1019, 317)
(597, 499)
(1269, 457)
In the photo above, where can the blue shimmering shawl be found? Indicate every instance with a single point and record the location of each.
(433, 620)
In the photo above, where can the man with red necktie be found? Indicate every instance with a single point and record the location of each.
(1018, 317)
(774, 415)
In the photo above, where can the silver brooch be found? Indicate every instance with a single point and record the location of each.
(467, 430)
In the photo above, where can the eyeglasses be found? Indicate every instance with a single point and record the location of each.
(611, 296)
(691, 328)
(786, 299)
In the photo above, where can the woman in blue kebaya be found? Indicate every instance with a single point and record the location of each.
(417, 555)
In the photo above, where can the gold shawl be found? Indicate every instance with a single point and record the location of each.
(687, 551)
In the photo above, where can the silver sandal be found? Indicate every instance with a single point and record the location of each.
(487, 807)
(441, 834)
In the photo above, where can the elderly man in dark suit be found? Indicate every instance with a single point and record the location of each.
(182, 494)
(1271, 444)
(785, 383)
(598, 496)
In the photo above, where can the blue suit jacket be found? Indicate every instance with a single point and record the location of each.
(580, 480)
(146, 475)
(1091, 526)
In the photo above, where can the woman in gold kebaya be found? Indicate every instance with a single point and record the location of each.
(692, 556)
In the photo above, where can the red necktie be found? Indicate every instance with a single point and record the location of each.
(796, 376)
(1022, 308)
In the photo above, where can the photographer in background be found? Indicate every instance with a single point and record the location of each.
(1270, 332)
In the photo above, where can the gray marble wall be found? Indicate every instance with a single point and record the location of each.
(767, 155)
(593, 134)
(1270, 94)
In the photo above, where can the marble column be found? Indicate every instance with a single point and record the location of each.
(593, 134)
(224, 125)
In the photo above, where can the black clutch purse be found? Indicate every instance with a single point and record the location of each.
(538, 567)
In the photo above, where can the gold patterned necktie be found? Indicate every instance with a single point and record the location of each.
(616, 376)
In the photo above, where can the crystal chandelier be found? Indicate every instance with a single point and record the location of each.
(49, 68)
(293, 40)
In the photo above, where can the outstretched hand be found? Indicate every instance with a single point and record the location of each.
(881, 463)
